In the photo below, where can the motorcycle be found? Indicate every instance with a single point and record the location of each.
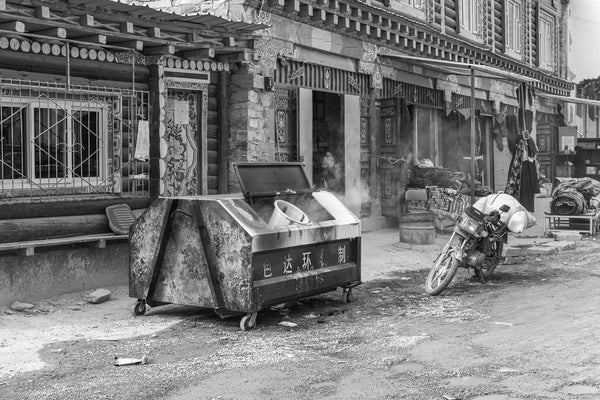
(476, 242)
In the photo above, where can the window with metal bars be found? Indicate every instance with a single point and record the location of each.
(50, 143)
(70, 142)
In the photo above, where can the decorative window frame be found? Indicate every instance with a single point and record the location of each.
(548, 62)
(470, 11)
(414, 8)
(513, 48)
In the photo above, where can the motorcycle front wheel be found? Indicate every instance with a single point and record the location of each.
(441, 274)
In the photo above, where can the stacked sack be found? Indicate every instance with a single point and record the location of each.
(575, 196)
(517, 217)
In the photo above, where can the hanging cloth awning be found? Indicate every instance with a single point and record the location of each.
(458, 68)
(567, 99)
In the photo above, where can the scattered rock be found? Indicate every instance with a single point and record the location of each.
(286, 323)
(98, 296)
(18, 306)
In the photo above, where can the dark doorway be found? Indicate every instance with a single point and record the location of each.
(328, 142)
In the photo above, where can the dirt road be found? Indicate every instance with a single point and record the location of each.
(532, 333)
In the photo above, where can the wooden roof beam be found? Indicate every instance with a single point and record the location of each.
(86, 20)
(137, 45)
(331, 19)
(60, 33)
(292, 7)
(199, 54)
(42, 12)
(160, 50)
(229, 41)
(306, 11)
(153, 32)
(126, 27)
(244, 55)
(94, 39)
(15, 26)
(343, 23)
(319, 15)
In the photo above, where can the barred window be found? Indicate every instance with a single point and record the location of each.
(71, 142)
(49, 142)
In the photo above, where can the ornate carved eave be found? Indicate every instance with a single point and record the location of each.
(398, 32)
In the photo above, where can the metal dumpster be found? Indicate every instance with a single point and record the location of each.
(276, 242)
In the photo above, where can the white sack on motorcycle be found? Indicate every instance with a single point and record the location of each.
(517, 218)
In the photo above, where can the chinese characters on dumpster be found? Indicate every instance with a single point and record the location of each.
(303, 260)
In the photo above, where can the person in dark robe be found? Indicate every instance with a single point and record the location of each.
(522, 182)
(579, 163)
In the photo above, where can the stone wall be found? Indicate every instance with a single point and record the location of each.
(251, 121)
(55, 272)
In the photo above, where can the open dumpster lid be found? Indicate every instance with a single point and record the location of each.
(258, 179)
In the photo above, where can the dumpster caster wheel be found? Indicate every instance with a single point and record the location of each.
(248, 322)
(347, 295)
(139, 308)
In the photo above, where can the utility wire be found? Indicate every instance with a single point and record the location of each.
(589, 21)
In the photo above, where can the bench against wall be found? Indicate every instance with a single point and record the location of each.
(26, 227)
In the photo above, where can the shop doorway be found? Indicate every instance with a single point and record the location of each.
(328, 146)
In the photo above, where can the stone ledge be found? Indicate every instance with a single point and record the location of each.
(541, 250)
(562, 245)
(514, 251)
(519, 255)
(567, 237)
(515, 260)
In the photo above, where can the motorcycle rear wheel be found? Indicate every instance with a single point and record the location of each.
(441, 274)
(491, 261)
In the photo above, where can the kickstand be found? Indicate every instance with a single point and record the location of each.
(479, 274)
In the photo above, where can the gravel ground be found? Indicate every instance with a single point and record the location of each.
(531, 333)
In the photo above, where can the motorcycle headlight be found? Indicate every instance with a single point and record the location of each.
(468, 225)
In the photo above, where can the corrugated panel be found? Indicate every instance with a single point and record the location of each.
(320, 77)
(413, 94)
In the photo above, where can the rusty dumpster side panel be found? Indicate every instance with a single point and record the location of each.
(230, 251)
(144, 243)
(183, 276)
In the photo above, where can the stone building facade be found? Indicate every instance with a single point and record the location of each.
(379, 84)
(104, 104)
